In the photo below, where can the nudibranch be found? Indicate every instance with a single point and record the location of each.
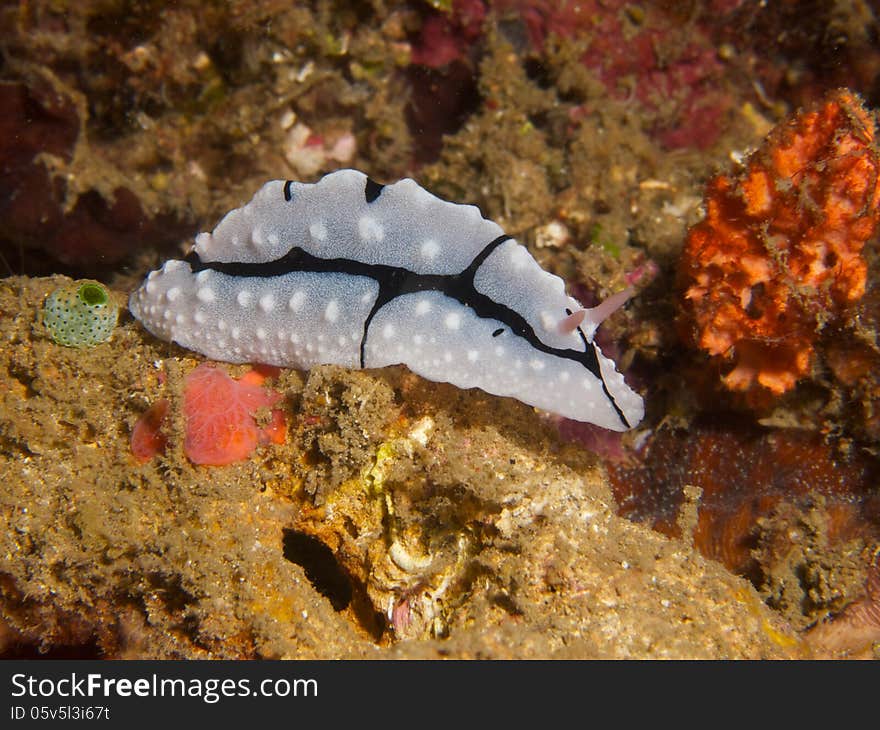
(351, 272)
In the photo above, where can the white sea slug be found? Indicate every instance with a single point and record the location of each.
(351, 272)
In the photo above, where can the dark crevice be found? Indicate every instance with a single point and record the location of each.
(333, 582)
(539, 73)
(441, 101)
(320, 566)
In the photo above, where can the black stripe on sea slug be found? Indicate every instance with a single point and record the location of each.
(372, 190)
(288, 195)
(591, 348)
(396, 281)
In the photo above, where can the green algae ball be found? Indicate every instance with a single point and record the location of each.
(80, 315)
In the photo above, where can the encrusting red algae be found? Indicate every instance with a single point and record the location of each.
(220, 413)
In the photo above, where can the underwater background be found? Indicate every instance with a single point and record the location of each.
(718, 156)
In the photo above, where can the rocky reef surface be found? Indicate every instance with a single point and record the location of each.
(459, 525)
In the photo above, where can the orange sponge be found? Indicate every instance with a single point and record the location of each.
(778, 255)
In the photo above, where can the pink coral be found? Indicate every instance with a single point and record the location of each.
(220, 416)
(148, 438)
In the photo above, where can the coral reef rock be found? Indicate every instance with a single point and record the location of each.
(401, 518)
